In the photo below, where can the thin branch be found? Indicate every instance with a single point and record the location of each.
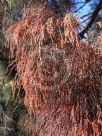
(86, 19)
(86, 15)
(79, 3)
(80, 7)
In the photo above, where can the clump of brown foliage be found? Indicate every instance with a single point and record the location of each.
(68, 103)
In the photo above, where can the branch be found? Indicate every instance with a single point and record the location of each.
(86, 19)
(80, 7)
(78, 3)
(94, 15)
(89, 14)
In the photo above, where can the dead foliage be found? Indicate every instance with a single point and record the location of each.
(61, 75)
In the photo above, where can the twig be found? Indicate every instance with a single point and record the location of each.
(80, 7)
(86, 15)
(86, 19)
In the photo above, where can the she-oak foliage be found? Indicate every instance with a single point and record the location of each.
(68, 103)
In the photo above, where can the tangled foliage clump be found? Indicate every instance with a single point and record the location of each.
(60, 74)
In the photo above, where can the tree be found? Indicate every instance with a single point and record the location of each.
(60, 73)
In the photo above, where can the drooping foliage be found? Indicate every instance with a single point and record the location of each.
(60, 74)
